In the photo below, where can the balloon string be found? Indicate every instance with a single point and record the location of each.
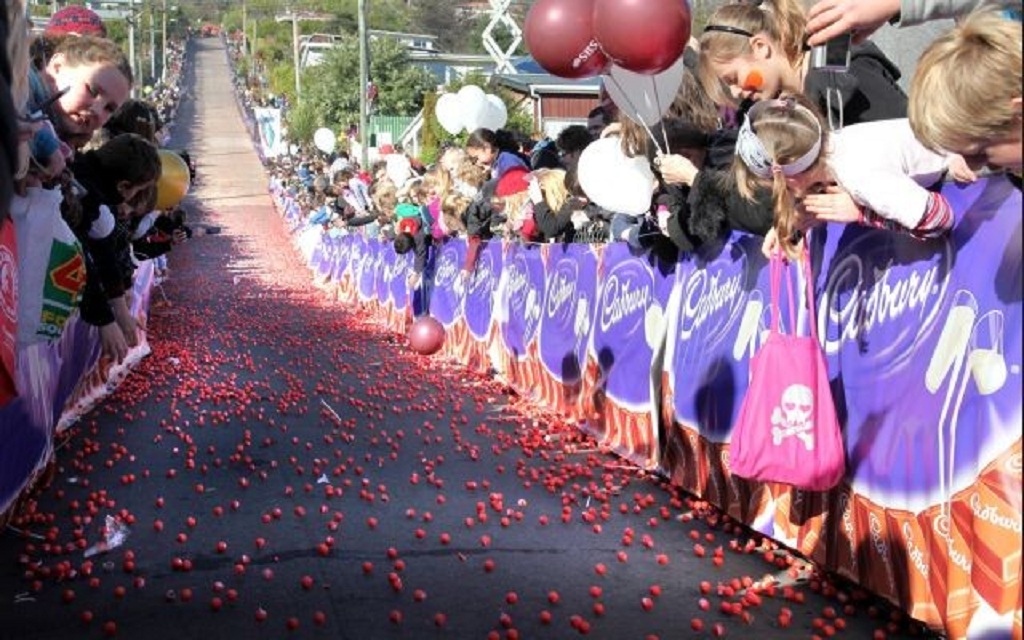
(636, 111)
(657, 103)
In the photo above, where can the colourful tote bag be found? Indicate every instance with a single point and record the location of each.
(787, 430)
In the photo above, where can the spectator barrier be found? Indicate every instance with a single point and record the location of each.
(923, 343)
(58, 382)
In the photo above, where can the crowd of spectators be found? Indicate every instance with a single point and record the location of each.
(80, 176)
(758, 140)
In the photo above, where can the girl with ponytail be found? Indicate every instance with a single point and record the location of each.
(875, 174)
(757, 50)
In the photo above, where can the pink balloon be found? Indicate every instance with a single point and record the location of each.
(645, 36)
(426, 336)
(560, 37)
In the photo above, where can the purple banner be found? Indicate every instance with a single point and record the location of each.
(446, 297)
(397, 270)
(926, 357)
(717, 314)
(340, 259)
(629, 325)
(521, 298)
(49, 375)
(480, 289)
(365, 266)
(568, 311)
(323, 256)
(384, 259)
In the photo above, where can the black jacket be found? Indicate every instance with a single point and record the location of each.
(712, 208)
(104, 278)
(868, 92)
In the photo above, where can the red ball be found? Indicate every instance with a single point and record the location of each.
(645, 36)
(560, 37)
(426, 336)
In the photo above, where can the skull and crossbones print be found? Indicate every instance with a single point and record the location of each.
(794, 416)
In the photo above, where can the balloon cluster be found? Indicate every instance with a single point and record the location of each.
(470, 109)
(584, 38)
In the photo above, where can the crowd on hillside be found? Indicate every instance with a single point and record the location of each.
(757, 140)
(80, 170)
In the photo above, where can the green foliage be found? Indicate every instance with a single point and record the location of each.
(332, 88)
(302, 123)
(432, 132)
(282, 81)
(519, 119)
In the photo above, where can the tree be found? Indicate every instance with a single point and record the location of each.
(440, 18)
(332, 87)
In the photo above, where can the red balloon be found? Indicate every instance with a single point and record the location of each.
(645, 36)
(560, 37)
(426, 336)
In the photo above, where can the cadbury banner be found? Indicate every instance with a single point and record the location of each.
(570, 271)
(57, 383)
(517, 310)
(924, 355)
(923, 343)
(395, 280)
(478, 302)
(627, 335)
(717, 314)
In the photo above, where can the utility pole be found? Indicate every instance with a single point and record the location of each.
(295, 54)
(364, 80)
(131, 44)
(294, 17)
(152, 40)
(245, 28)
(163, 43)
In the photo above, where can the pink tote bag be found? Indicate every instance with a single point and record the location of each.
(787, 430)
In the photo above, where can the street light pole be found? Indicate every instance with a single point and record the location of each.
(152, 40)
(295, 54)
(163, 43)
(364, 80)
(131, 44)
(245, 28)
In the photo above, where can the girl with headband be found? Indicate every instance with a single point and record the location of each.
(874, 174)
(756, 50)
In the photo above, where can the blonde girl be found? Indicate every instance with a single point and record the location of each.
(752, 52)
(93, 78)
(874, 174)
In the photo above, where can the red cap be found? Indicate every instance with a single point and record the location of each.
(516, 180)
(76, 19)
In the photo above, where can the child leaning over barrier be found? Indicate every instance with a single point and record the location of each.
(757, 51)
(121, 172)
(873, 174)
(966, 93)
(80, 85)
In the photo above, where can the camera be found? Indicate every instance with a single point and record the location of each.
(834, 55)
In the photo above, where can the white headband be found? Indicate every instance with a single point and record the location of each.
(755, 156)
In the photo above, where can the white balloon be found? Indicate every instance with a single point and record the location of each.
(398, 168)
(473, 106)
(614, 181)
(324, 140)
(497, 113)
(448, 113)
